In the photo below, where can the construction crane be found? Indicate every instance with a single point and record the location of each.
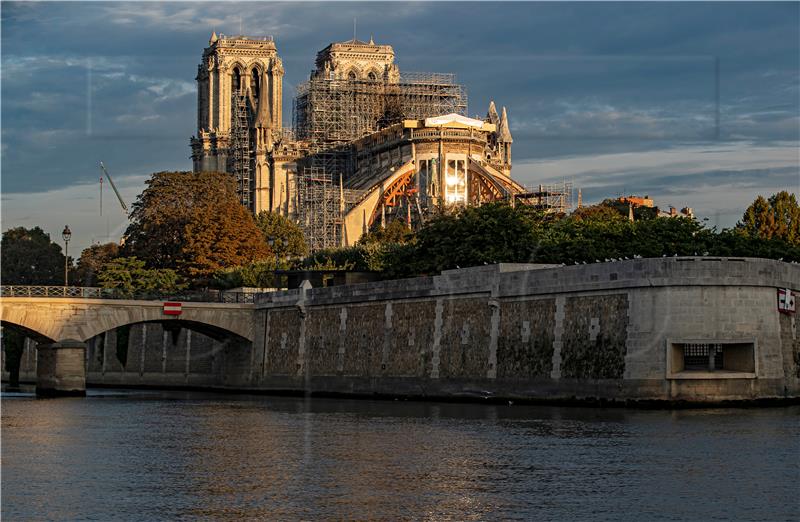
(111, 181)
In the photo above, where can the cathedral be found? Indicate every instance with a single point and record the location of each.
(368, 143)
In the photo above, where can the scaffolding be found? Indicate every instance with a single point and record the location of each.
(240, 153)
(556, 197)
(329, 114)
(319, 209)
(339, 111)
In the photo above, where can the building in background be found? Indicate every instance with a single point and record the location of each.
(368, 143)
(646, 202)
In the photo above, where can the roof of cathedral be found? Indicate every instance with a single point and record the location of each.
(357, 42)
(453, 118)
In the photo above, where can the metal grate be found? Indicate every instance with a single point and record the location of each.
(702, 356)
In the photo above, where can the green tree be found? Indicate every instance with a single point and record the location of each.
(396, 231)
(735, 243)
(193, 223)
(127, 276)
(491, 233)
(29, 257)
(287, 236)
(776, 217)
(91, 262)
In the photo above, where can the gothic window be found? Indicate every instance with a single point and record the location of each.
(372, 77)
(254, 82)
(351, 76)
(236, 79)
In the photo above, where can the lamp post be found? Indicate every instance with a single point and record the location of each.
(66, 235)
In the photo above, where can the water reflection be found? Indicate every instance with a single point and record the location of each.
(180, 455)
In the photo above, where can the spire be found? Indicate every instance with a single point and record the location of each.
(263, 117)
(503, 132)
(492, 114)
(371, 41)
(213, 37)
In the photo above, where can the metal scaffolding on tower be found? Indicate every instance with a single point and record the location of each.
(240, 153)
(331, 111)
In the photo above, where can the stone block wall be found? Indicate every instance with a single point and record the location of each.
(595, 331)
(598, 331)
(525, 342)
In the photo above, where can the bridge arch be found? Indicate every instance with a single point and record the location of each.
(214, 332)
(81, 319)
(28, 332)
(35, 326)
(213, 322)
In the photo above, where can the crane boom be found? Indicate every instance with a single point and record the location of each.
(111, 181)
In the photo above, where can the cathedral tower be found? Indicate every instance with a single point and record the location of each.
(358, 61)
(239, 111)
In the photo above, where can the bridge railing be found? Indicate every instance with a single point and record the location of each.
(93, 292)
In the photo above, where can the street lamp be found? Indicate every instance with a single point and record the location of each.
(66, 235)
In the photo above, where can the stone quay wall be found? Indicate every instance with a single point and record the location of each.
(608, 331)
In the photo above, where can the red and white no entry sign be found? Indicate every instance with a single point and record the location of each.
(172, 308)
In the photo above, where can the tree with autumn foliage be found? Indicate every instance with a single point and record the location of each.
(193, 223)
(92, 261)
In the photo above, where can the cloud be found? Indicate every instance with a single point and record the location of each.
(718, 179)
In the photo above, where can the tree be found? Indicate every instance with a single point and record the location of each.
(491, 233)
(30, 258)
(639, 212)
(396, 231)
(776, 217)
(193, 223)
(92, 260)
(287, 236)
(128, 276)
(605, 211)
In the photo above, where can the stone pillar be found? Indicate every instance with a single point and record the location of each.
(61, 369)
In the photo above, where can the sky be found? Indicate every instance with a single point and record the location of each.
(693, 104)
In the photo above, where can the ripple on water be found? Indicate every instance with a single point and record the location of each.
(178, 455)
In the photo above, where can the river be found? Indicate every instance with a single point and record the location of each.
(149, 455)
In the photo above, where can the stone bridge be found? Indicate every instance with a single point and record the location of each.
(62, 325)
(57, 319)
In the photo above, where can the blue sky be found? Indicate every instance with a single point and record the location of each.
(692, 103)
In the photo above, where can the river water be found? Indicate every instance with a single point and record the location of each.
(145, 455)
